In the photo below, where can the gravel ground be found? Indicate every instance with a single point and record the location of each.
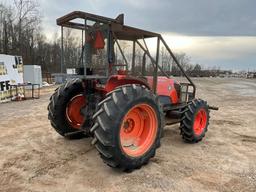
(33, 157)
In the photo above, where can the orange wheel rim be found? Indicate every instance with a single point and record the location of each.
(138, 130)
(200, 122)
(73, 114)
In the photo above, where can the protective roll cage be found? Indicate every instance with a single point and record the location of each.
(116, 30)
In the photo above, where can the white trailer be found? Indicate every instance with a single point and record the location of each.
(33, 74)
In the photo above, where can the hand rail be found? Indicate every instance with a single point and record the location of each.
(178, 64)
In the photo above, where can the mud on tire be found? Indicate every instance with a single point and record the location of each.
(190, 131)
(58, 104)
(108, 123)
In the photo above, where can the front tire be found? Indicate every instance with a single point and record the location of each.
(195, 121)
(128, 127)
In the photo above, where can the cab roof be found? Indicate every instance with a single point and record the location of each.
(121, 31)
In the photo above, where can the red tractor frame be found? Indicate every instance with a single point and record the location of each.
(123, 109)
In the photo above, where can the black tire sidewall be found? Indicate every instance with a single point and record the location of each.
(61, 98)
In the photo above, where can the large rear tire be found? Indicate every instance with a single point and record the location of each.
(128, 127)
(195, 121)
(64, 109)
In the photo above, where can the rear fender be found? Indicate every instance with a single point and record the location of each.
(119, 80)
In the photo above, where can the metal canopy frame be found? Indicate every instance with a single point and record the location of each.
(120, 31)
(123, 32)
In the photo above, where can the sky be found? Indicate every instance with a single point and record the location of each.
(214, 33)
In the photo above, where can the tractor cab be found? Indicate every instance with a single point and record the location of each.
(114, 54)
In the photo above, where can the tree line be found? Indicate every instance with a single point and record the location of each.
(21, 34)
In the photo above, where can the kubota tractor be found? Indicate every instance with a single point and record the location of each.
(122, 101)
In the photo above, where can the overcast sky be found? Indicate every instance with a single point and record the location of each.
(213, 32)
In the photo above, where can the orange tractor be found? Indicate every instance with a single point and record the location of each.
(122, 103)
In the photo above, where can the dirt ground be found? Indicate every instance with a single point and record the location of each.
(33, 157)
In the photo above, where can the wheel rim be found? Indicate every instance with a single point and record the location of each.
(138, 130)
(74, 117)
(200, 122)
